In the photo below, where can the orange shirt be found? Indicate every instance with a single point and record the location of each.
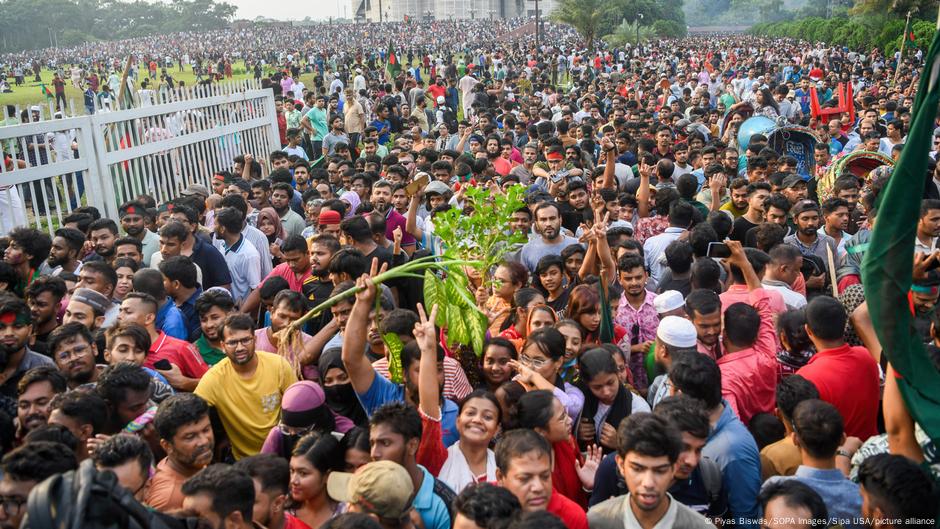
(165, 492)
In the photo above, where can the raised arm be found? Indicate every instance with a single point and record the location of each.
(360, 371)
(610, 164)
(643, 193)
(428, 390)
(411, 222)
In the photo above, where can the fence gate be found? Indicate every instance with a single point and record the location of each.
(107, 158)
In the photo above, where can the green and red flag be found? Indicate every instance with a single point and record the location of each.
(46, 92)
(888, 265)
(392, 64)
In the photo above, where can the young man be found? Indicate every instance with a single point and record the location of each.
(100, 277)
(222, 496)
(636, 314)
(81, 413)
(484, 505)
(835, 213)
(524, 467)
(817, 432)
(129, 457)
(243, 260)
(738, 203)
(281, 196)
(808, 239)
(246, 387)
(102, 233)
(182, 423)
(16, 329)
(790, 503)
(132, 220)
(382, 490)
(212, 308)
(295, 269)
(74, 351)
(179, 282)
(649, 447)
(36, 390)
(271, 476)
(928, 227)
(207, 257)
(23, 469)
(781, 272)
(757, 192)
(783, 457)
(66, 248)
(897, 489)
(381, 199)
(551, 241)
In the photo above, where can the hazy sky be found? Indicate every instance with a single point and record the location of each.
(291, 9)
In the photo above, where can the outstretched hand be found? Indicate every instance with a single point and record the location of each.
(367, 284)
(424, 330)
(587, 470)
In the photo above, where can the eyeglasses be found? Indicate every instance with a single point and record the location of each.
(12, 504)
(537, 363)
(76, 352)
(236, 343)
(293, 430)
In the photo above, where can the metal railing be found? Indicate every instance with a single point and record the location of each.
(52, 166)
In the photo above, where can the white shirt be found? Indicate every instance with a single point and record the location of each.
(244, 265)
(793, 300)
(655, 251)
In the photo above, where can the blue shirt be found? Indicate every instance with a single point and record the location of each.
(190, 316)
(214, 268)
(170, 321)
(384, 127)
(384, 390)
(434, 510)
(733, 448)
(840, 494)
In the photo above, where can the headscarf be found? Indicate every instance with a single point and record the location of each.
(352, 198)
(270, 214)
(533, 310)
(341, 398)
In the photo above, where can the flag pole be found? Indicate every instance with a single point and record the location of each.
(897, 68)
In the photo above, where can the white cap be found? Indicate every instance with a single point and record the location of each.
(440, 99)
(668, 301)
(677, 332)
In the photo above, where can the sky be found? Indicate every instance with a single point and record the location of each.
(291, 9)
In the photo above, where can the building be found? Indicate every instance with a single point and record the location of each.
(397, 10)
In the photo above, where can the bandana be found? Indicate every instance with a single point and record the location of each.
(553, 156)
(14, 318)
(129, 210)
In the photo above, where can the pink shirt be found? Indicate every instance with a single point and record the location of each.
(456, 385)
(739, 294)
(749, 376)
(296, 284)
(263, 343)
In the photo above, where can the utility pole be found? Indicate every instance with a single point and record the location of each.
(639, 18)
(897, 69)
(380, 10)
(537, 25)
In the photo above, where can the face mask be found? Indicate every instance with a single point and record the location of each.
(339, 394)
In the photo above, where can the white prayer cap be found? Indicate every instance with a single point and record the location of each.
(668, 301)
(677, 332)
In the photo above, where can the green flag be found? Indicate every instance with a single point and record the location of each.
(392, 63)
(888, 264)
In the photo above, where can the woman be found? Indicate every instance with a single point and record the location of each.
(125, 269)
(340, 395)
(355, 449)
(571, 330)
(606, 400)
(573, 256)
(551, 280)
(539, 366)
(351, 198)
(572, 475)
(765, 104)
(508, 278)
(311, 462)
(797, 347)
(584, 307)
(540, 316)
(303, 410)
(494, 365)
(514, 328)
(469, 460)
(270, 225)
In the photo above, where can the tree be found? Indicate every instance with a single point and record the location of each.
(587, 16)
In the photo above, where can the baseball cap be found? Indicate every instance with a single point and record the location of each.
(804, 206)
(436, 187)
(792, 180)
(196, 189)
(382, 488)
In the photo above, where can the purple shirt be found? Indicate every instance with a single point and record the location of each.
(394, 219)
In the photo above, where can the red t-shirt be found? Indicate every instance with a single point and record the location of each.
(568, 511)
(283, 270)
(847, 377)
(437, 91)
(179, 353)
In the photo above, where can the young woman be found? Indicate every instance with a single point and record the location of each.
(584, 307)
(340, 395)
(125, 269)
(514, 328)
(470, 460)
(509, 277)
(573, 256)
(311, 462)
(797, 347)
(551, 280)
(538, 367)
(572, 474)
(303, 409)
(606, 400)
(571, 330)
(270, 225)
(540, 316)
(494, 366)
(355, 449)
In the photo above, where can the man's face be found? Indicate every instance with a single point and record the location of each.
(16, 493)
(133, 224)
(280, 200)
(103, 241)
(82, 313)
(239, 346)
(60, 253)
(633, 281)
(796, 192)
(128, 251)
(548, 223)
(133, 310)
(192, 445)
(211, 323)
(690, 455)
(930, 223)
(218, 184)
(578, 198)
(739, 197)
(94, 281)
(520, 222)
(400, 200)
(850, 195)
(32, 406)
(682, 157)
(381, 197)
(43, 307)
(807, 222)
(75, 359)
(838, 219)
(663, 138)
(320, 255)
(529, 478)
(821, 157)
(757, 174)
(386, 445)
(776, 216)
(259, 195)
(647, 479)
(267, 505)
(124, 349)
(730, 160)
(298, 260)
(756, 200)
(707, 327)
(170, 246)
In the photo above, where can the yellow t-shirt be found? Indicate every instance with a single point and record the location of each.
(248, 407)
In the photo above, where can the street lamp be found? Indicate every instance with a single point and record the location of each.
(639, 18)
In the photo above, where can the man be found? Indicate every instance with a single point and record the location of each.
(36, 389)
(169, 316)
(654, 248)
(271, 477)
(358, 234)
(132, 220)
(246, 387)
(182, 423)
(243, 260)
(783, 457)
(757, 193)
(395, 433)
(729, 444)
(86, 307)
(818, 435)
(835, 213)
(335, 137)
(524, 467)
(675, 336)
(314, 123)
(102, 233)
(550, 241)
(129, 458)
(222, 496)
(928, 227)
(26, 252)
(318, 287)
(703, 308)
(281, 195)
(738, 203)
(381, 199)
(179, 282)
(648, 448)
(212, 308)
(845, 376)
(66, 247)
(895, 489)
(207, 257)
(483, 506)
(81, 413)
(129, 248)
(785, 264)
(809, 241)
(791, 503)
(101, 278)
(382, 490)
(295, 269)
(23, 469)
(186, 365)
(636, 314)
(16, 358)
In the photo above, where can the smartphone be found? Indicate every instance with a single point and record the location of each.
(718, 249)
(163, 365)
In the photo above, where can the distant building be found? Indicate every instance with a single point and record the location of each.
(397, 10)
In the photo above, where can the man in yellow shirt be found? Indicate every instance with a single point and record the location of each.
(246, 387)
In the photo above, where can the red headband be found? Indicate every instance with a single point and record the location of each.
(555, 156)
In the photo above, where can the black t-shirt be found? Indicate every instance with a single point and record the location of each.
(740, 228)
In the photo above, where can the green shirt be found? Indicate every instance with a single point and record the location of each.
(210, 354)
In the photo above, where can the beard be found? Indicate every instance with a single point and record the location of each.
(104, 251)
(56, 261)
(550, 232)
(134, 231)
(281, 211)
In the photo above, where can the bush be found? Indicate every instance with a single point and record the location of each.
(669, 29)
(858, 32)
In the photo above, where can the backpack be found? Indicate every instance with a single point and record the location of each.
(89, 499)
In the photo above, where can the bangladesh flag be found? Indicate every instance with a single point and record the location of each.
(46, 92)
(888, 265)
(392, 64)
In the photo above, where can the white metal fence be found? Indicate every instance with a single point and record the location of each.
(52, 166)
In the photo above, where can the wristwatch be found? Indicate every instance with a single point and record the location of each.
(844, 453)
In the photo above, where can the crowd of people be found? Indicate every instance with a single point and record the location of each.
(682, 339)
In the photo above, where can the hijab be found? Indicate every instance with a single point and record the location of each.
(341, 398)
(270, 214)
(351, 198)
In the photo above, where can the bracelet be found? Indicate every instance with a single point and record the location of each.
(844, 453)
(587, 490)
